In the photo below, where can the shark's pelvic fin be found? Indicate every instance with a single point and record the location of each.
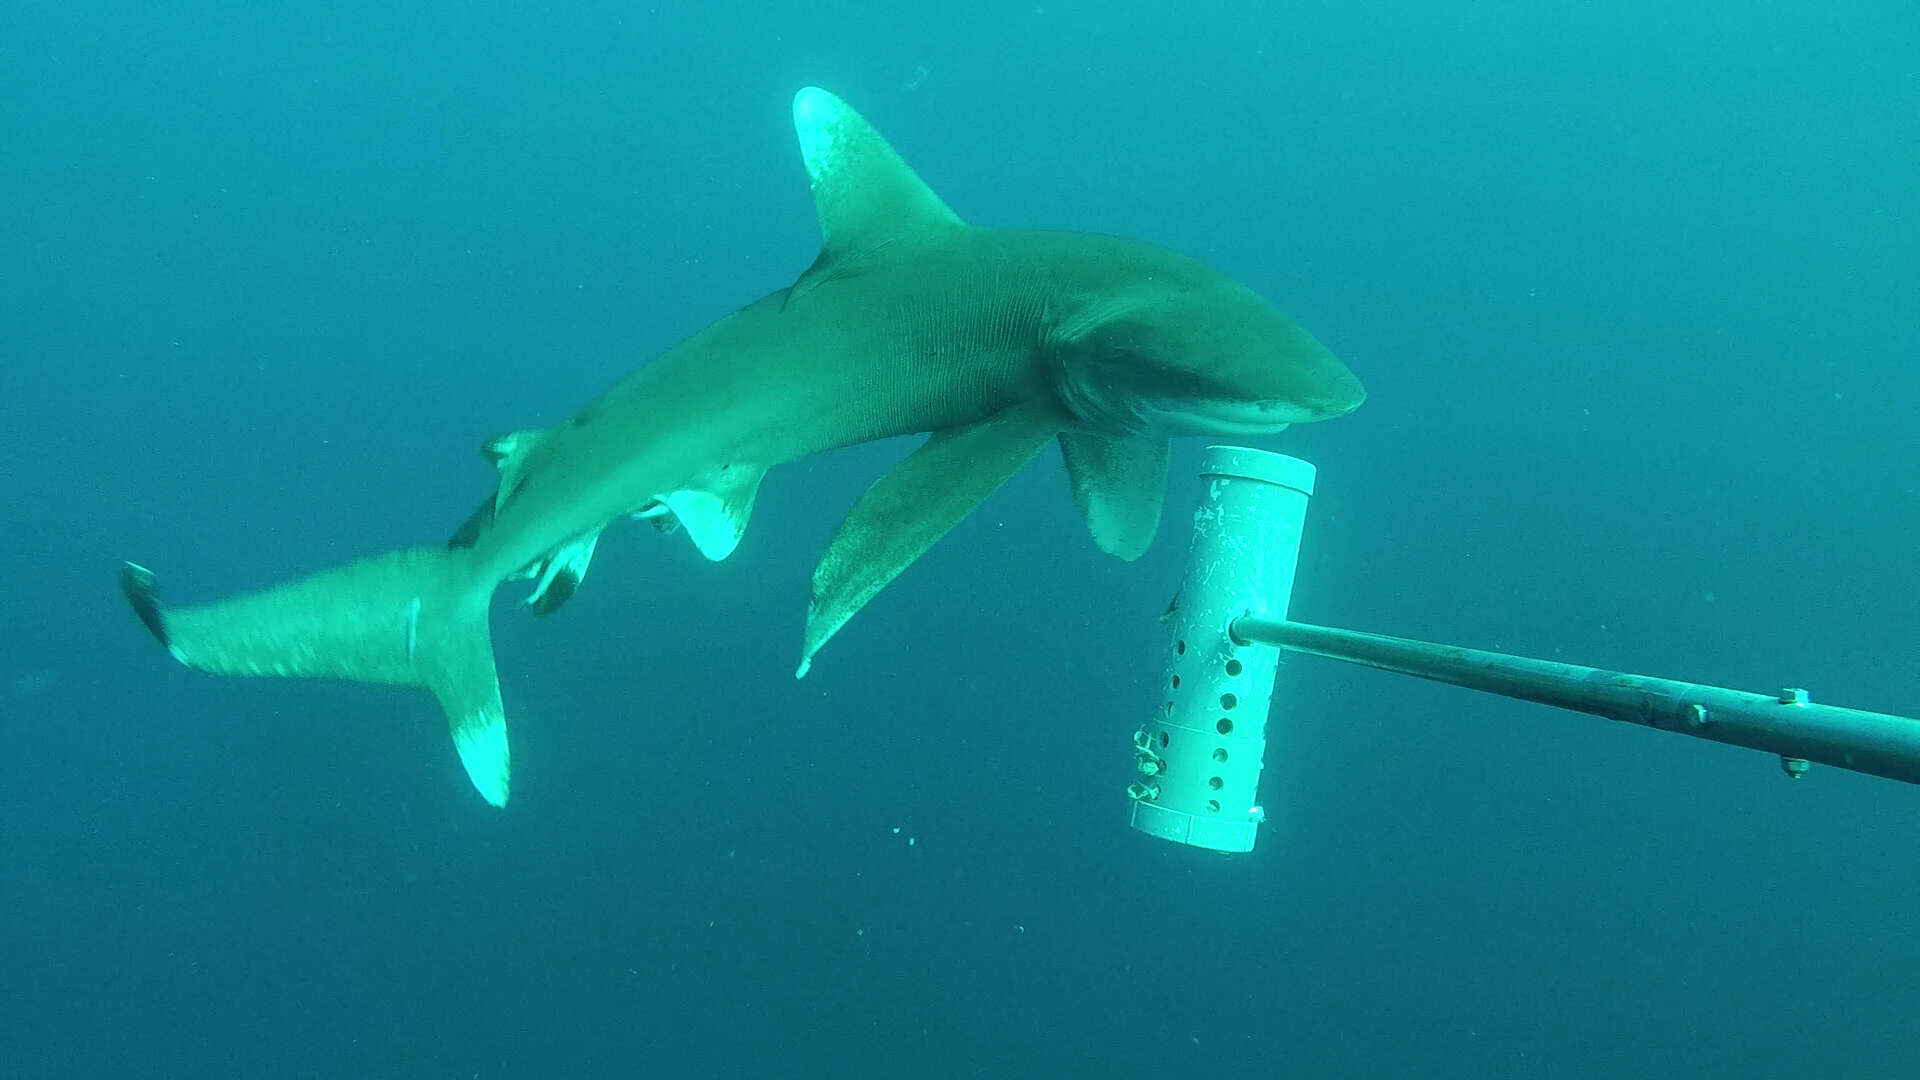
(866, 195)
(657, 515)
(714, 509)
(411, 617)
(1118, 484)
(914, 505)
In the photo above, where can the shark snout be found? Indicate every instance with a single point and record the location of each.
(1322, 391)
(1313, 384)
(1339, 393)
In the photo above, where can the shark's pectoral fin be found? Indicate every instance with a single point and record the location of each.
(1118, 484)
(714, 509)
(914, 505)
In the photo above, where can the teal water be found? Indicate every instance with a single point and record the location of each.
(1634, 292)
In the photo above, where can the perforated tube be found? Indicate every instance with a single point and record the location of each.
(1197, 763)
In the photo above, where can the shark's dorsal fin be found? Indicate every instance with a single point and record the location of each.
(866, 195)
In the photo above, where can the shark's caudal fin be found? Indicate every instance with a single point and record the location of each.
(412, 617)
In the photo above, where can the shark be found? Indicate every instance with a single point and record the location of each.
(991, 342)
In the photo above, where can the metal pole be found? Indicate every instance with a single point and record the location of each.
(1786, 723)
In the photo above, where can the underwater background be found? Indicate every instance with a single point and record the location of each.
(1634, 288)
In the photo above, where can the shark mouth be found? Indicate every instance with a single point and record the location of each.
(1189, 416)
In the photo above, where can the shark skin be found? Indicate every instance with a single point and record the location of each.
(992, 342)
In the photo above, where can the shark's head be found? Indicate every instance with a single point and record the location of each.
(1191, 352)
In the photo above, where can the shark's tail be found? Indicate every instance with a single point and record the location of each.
(412, 617)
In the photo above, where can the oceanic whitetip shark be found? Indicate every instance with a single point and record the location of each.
(991, 341)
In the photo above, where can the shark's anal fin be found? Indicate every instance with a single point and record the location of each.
(914, 505)
(1118, 483)
(560, 574)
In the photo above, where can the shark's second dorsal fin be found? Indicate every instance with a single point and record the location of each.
(509, 454)
(865, 194)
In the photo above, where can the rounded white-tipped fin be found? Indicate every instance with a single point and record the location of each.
(865, 194)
